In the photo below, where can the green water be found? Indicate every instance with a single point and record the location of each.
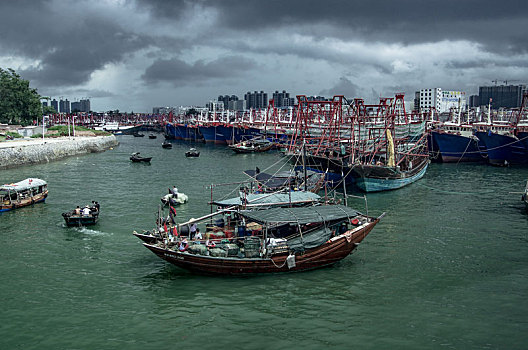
(447, 267)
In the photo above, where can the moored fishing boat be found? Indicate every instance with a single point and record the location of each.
(375, 178)
(211, 134)
(252, 145)
(266, 241)
(452, 142)
(23, 193)
(166, 144)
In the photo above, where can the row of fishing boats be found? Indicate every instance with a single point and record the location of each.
(376, 147)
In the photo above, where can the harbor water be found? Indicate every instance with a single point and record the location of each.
(446, 268)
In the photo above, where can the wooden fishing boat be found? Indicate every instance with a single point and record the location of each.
(374, 178)
(23, 193)
(136, 158)
(166, 144)
(82, 217)
(192, 153)
(253, 145)
(265, 241)
(152, 136)
(137, 134)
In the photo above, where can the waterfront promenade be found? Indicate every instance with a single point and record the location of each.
(31, 151)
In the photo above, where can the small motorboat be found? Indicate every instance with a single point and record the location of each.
(181, 198)
(166, 144)
(85, 216)
(136, 158)
(252, 146)
(137, 134)
(192, 153)
(152, 136)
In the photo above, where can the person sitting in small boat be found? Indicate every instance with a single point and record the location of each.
(183, 245)
(86, 211)
(77, 211)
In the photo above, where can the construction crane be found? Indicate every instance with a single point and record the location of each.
(506, 81)
(494, 81)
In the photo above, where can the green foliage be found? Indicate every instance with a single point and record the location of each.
(19, 104)
(63, 130)
(16, 135)
(46, 110)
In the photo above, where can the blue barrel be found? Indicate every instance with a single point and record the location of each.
(219, 222)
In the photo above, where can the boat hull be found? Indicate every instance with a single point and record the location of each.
(75, 221)
(329, 253)
(234, 134)
(379, 178)
(453, 148)
(503, 149)
(210, 134)
(39, 198)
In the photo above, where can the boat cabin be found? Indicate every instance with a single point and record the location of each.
(23, 193)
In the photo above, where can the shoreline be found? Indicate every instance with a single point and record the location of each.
(15, 153)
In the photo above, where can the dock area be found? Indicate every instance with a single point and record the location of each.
(31, 151)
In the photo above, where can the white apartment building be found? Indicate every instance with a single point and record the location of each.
(430, 98)
(441, 101)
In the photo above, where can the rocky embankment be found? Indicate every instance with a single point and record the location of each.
(16, 153)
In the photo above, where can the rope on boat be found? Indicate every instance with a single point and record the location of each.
(281, 266)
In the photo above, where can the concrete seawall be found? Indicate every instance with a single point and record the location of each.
(16, 153)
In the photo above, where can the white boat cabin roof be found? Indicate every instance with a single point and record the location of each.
(24, 185)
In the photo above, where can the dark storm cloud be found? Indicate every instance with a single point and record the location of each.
(177, 71)
(68, 51)
(343, 87)
(497, 25)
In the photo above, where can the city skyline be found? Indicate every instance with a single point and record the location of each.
(134, 55)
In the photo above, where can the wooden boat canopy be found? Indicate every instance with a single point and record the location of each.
(301, 216)
(271, 199)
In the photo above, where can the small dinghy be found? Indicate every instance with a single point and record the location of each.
(181, 198)
(152, 136)
(136, 158)
(192, 153)
(166, 144)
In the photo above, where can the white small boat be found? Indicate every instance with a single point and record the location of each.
(174, 200)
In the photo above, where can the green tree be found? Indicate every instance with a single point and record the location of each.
(19, 103)
(46, 110)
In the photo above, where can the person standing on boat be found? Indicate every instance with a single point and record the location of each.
(174, 192)
(193, 230)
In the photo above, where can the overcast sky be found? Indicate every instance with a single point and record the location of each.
(134, 55)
